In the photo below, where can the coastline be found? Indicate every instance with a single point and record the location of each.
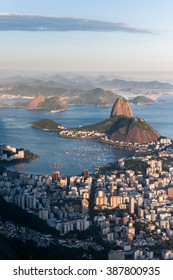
(77, 138)
(118, 145)
(6, 163)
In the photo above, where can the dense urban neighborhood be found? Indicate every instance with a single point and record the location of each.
(124, 209)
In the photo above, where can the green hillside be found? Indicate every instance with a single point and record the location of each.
(47, 124)
(53, 103)
(47, 90)
(19, 104)
(97, 97)
(141, 100)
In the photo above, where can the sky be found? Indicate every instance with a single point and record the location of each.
(83, 36)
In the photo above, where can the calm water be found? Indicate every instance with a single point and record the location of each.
(72, 156)
(159, 115)
(67, 155)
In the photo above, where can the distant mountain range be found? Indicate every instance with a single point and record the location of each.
(75, 82)
(123, 84)
(46, 88)
(80, 90)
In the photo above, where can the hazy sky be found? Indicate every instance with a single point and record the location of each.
(92, 35)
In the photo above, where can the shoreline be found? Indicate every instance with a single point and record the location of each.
(28, 157)
(120, 146)
(117, 145)
(5, 163)
(77, 138)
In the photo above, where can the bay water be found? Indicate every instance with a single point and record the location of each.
(71, 156)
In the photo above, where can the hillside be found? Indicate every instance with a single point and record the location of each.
(13, 248)
(97, 97)
(53, 103)
(48, 88)
(132, 130)
(125, 129)
(141, 100)
(34, 103)
(47, 124)
(11, 212)
(123, 84)
(19, 104)
(47, 103)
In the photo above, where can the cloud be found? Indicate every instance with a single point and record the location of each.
(16, 22)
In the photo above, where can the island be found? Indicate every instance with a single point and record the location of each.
(57, 104)
(48, 125)
(141, 100)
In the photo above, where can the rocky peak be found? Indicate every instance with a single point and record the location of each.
(33, 104)
(121, 107)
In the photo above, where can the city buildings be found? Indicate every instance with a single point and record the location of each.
(131, 210)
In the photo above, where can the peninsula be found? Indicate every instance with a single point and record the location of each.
(10, 155)
(47, 124)
(141, 100)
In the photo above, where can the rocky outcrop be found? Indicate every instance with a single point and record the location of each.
(47, 103)
(53, 103)
(134, 130)
(35, 102)
(121, 107)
